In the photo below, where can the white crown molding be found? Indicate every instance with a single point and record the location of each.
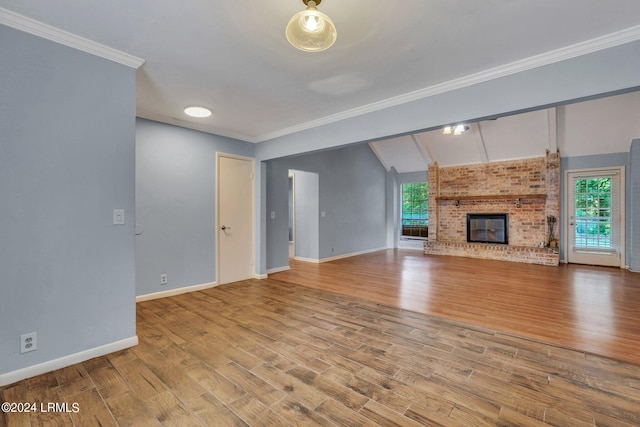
(583, 48)
(144, 114)
(40, 29)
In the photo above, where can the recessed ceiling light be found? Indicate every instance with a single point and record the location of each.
(197, 111)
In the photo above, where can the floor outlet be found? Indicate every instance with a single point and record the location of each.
(28, 342)
(164, 279)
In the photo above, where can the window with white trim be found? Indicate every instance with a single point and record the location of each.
(415, 210)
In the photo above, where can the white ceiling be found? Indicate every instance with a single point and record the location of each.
(233, 57)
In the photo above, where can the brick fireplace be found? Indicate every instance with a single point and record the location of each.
(528, 191)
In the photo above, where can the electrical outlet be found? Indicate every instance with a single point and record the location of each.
(28, 342)
(164, 279)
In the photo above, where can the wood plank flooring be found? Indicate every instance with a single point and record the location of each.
(588, 308)
(275, 352)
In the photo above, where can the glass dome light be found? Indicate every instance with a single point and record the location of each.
(311, 30)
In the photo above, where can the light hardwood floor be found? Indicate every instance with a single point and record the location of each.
(588, 308)
(279, 352)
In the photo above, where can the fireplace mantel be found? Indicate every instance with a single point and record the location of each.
(493, 197)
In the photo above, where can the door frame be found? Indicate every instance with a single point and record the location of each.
(220, 154)
(620, 170)
(292, 213)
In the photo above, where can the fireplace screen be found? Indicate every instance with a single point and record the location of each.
(488, 228)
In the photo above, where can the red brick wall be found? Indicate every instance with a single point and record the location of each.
(527, 223)
(513, 177)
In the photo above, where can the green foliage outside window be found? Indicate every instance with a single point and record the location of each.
(593, 212)
(415, 209)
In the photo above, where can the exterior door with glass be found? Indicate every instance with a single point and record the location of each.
(594, 217)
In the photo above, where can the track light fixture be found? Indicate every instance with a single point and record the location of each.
(455, 129)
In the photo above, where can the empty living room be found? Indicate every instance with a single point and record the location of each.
(415, 213)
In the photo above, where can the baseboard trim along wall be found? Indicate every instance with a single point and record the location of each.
(63, 362)
(333, 258)
(303, 259)
(177, 291)
(417, 245)
(278, 269)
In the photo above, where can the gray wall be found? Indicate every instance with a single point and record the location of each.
(307, 214)
(410, 177)
(392, 208)
(175, 204)
(352, 193)
(67, 123)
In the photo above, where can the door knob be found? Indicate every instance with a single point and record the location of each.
(224, 227)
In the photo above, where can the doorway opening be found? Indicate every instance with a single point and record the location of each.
(304, 221)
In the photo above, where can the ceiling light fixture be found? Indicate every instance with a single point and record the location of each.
(311, 30)
(455, 130)
(197, 111)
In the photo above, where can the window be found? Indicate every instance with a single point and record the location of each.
(593, 217)
(415, 210)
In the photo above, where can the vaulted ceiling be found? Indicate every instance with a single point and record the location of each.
(598, 126)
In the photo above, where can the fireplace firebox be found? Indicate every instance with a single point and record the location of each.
(488, 228)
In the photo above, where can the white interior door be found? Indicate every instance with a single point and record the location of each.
(594, 217)
(235, 218)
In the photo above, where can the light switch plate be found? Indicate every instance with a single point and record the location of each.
(118, 216)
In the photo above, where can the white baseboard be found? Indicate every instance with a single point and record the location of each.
(412, 246)
(278, 269)
(63, 362)
(303, 259)
(177, 291)
(333, 258)
(260, 276)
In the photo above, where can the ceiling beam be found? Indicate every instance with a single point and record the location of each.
(421, 145)
(476, 130)
(379, 155)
